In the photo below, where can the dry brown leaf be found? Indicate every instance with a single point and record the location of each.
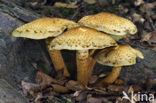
(76, 93)
(59, 88)
(90, 1)
(94, 100)
(82, 96)
(45, 80)
(33, 3)
(30, 88)
(130, 90)
(147, 25)
(118, 100)
(93, 79)
(103, 2)
(40, 98)
(138, 2)
(137, 18)
(115, 88)
(74, 85)
(65, 5)
(150, 38)
(136, 88)
(147, 7)
(119, 82)
(100, 90)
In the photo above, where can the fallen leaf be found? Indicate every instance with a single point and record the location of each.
(81, 97)
(74, 85)
(150, 38)
(76, 93)
(94, 100)
(30, 88)
(115, 88)
(130, 90)
(103, 2)
(138, 2)
(119, 82)
(147, 7)
(40, 98)
(33, 3)
(147, 26)
(137, 18)
(93, 79)
(90, 1)
(59, 88)
(136, 88)
(44, 80)
(105, 100)
(65, 5)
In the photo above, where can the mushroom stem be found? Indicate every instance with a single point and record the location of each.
(58, 62)
(111, 77)
(82, 66)
(92, 62)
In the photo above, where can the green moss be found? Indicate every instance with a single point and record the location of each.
(44, 69)
(95, 8)
(66, 12)
(113, 9)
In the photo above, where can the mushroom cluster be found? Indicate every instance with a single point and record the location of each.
(99, 31)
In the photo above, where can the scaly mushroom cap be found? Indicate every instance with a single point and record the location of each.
(109, 23)
(82, 38)
(121, 55)
(43, 28)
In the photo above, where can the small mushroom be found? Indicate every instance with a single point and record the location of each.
(117, 27)
(82, 39)
(44, 28)
(122, 55)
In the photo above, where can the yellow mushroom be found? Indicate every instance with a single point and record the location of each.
(117, 27)
(121, 55)
(82, 39)
(44, 28)
(109, 23)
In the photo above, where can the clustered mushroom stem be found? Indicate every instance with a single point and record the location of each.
(92, 62)
(82, 66)
(111, 77)
(58, 62)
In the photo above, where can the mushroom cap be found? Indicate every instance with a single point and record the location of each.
(82, 38)
(109, 23)
(43, 28)
(122, 55)
(118, 37)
